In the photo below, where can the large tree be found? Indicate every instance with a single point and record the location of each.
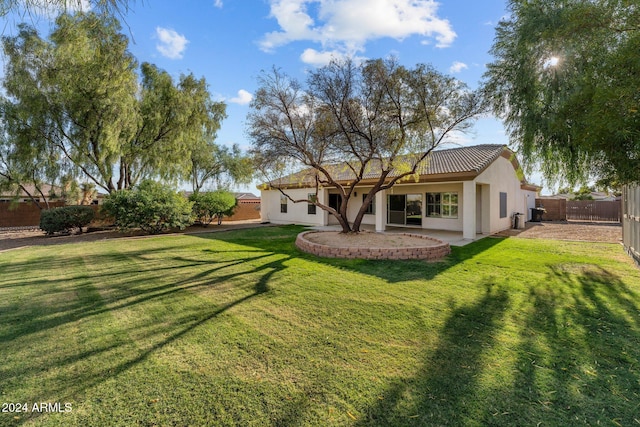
(370, 118)
(219, 166)
(115, 7)
(565, 81)
(78, 97)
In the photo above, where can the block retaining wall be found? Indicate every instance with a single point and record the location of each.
(430, 252)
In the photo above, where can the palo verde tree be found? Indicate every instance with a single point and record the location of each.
(565, 81)
(373, 118)
(78, 96)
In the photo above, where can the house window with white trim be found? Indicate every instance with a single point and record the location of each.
(442, 205)
(283, 203)
(503, 205)
(311, 208)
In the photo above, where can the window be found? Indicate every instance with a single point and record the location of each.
(450, 205)
(311, 208)
(503, 205)
(371, 209)
(283, 203)
(433, 204)
(442, 205)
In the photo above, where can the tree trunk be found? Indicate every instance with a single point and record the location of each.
(342, 218)
(365, 203)
(344, 223)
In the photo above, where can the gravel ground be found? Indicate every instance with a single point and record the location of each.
(366, 239)
(572, 230)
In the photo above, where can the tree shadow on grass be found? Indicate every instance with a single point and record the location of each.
(107, 351)
(132, 290)
(579, 352)
(575, 359)
(441, 390)
(282, 241)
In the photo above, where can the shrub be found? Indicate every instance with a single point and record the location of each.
(66, 218)
(151, 207)
(211, 205)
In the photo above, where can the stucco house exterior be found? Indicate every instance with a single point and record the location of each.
(473, 190)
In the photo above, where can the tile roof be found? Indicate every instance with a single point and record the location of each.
(465, 159)
(470, 160)
(31, 188)
(245, 196)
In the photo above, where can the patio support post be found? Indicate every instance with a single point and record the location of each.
(469, 210)
(323, 197)
(381, 210)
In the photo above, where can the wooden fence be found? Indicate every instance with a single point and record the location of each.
(556, 209)
(23, 214)
(594, 210)
(631, 221)
(580, 210)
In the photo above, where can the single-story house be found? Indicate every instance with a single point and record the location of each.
(473, 190)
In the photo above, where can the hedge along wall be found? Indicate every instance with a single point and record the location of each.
(556, 209)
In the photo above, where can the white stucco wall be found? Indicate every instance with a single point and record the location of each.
(296, 212)
(502, 178)
(530, 197)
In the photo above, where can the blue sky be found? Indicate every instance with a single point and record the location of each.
(230, 42)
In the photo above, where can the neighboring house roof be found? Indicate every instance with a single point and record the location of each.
(238, 196)
(46, 189)
(456, 163)
(246, 196)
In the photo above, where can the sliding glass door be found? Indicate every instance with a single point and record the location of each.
(404, 209)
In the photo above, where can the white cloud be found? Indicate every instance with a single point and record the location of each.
(457, 67)
(172, 44)
(347, 25)
(318, 59)
(217, 3)
(243, 98)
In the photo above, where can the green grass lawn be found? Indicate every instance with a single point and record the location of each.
(240, 328)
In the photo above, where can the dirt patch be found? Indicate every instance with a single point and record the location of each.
(563, 230)
(365, 239)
